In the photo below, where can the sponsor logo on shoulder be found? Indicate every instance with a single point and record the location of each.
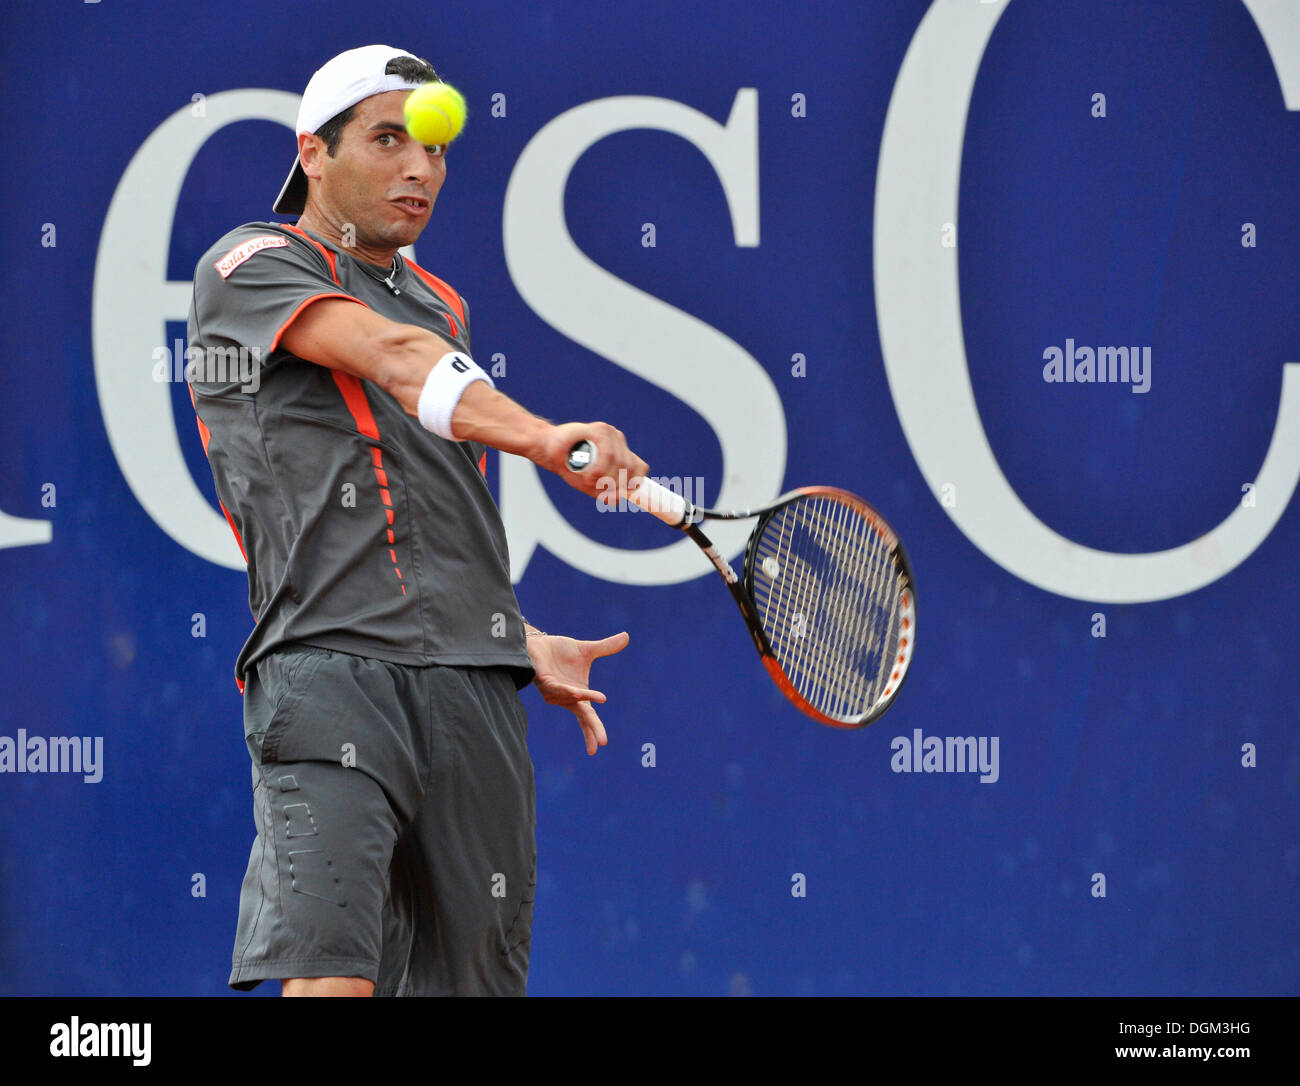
(244, 250)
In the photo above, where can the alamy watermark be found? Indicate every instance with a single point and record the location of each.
(119, 1040)
(688, 488)
(946, 754)
(1105, 365)
(82, 754)
(209, 365)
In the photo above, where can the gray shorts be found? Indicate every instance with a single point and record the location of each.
(396, 815)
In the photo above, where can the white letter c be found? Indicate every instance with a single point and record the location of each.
(919, 315)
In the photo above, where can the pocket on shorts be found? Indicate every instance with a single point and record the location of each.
(284, 678)
(311, 873)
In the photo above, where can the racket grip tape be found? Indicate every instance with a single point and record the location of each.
(652, 497)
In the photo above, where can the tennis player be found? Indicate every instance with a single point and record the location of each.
(393, 790)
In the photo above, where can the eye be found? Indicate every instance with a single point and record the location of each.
(436, 150)
(387, 136)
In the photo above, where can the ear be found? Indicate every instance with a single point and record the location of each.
(311, 153)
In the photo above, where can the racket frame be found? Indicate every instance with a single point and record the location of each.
(742, 591)
(678, 513)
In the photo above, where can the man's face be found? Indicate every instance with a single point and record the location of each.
(380, 180)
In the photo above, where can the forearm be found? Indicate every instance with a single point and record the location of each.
(400, 358)
(493, 418)
(483, 414)
(343, 335)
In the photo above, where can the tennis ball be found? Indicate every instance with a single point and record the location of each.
(435, 113)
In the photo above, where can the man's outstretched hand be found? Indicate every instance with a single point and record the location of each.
(563, 666)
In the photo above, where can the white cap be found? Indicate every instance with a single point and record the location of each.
(338, 84)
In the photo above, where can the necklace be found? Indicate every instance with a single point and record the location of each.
(388, 281)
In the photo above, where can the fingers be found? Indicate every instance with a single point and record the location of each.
(560, 693)
(607, 646)
(592, 728)
(613, 457)
(615, 470)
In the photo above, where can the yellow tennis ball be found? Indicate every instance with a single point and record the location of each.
(435, 113)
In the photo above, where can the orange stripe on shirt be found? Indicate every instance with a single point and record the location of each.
(205, 435)
(329, 256)
(443, 290)
(294, 315)
(354, 396)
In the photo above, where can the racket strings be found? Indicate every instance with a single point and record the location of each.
(845, 628)
(828, 592)
(821, 655)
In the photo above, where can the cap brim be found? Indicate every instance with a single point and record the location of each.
(293, 197)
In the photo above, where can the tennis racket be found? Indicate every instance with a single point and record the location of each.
(825, 589)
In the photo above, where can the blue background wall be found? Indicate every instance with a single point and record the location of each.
(1119, 755)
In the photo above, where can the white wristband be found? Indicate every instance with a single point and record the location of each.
(443, 388)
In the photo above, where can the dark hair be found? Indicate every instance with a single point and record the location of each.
(409, 68)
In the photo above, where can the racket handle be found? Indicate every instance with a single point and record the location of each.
(657, 500)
